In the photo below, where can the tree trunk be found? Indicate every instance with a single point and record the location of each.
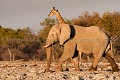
(10, 54)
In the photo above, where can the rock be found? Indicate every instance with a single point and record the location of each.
(99, 69)
(64, 76)
(37, 73)
(23, 76)
(81, 78)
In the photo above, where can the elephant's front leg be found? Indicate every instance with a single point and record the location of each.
(69, 50)
(75, 61)
(63, 58)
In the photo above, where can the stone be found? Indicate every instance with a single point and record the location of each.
(37, 73)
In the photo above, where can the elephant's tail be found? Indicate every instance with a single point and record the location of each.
(109, 49)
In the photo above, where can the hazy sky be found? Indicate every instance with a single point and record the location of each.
(29, 13)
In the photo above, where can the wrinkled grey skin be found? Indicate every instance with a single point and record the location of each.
(78, 39)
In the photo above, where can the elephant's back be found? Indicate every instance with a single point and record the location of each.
(92, 32)
(86, 32)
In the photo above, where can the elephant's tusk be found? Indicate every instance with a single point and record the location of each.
(46, 46)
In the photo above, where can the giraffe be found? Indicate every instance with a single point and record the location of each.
(56, 12)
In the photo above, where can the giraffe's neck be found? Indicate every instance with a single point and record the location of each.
(60, 19)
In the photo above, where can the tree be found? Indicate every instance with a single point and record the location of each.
(86, 19)
(47, 23)
(111, 23)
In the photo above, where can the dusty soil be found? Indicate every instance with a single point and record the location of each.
(34, 70)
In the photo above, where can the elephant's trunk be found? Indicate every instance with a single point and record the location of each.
(50, 41)
(48, 52)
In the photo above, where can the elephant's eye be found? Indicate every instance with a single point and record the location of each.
(53, 35)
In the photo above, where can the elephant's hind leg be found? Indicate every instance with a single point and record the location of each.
(94, 65)
(112, 62)
(97, 55)
(95, 61)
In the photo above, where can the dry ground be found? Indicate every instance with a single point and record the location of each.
(34, 70)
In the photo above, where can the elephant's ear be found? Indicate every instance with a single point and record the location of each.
(64, 33)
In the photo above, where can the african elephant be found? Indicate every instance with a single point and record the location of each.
(78, 39)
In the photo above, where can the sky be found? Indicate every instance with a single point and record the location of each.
(29, 13)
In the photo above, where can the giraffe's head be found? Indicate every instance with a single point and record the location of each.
(52, 12)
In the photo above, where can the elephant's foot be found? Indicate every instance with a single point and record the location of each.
(59, 68)
(92, 69)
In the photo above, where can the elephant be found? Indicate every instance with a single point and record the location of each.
(77, 40)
